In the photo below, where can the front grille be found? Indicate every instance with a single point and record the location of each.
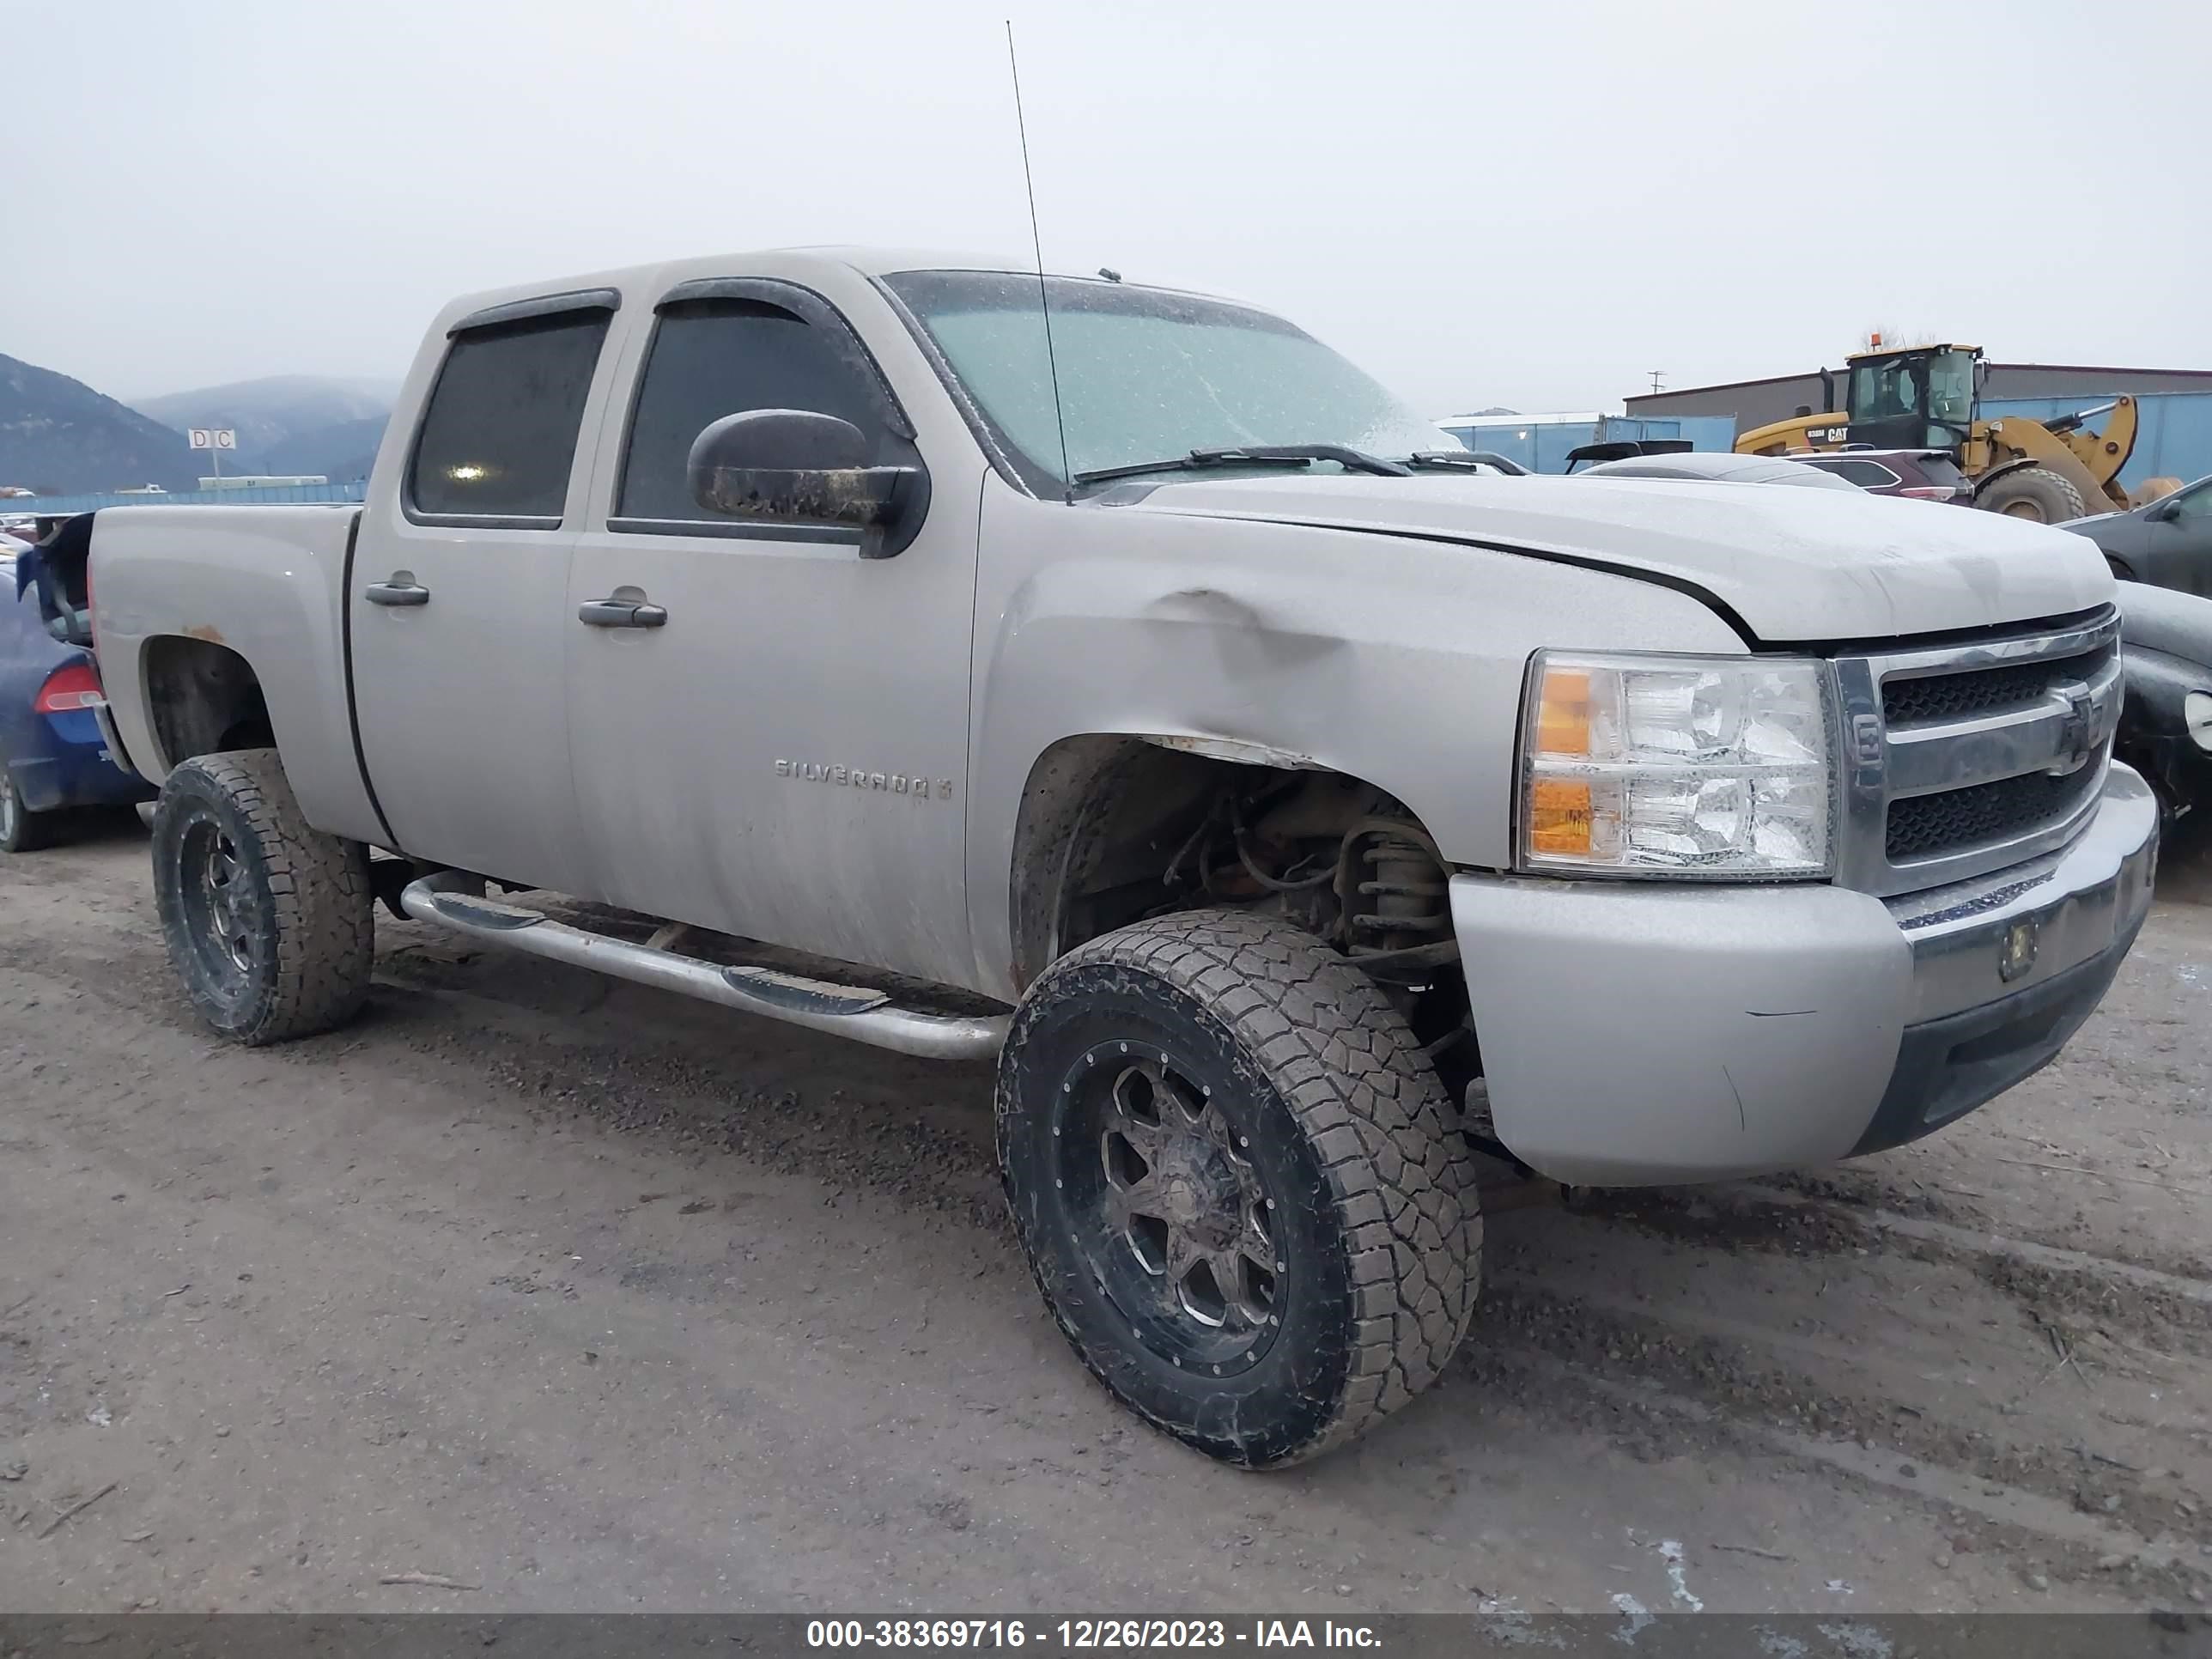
(1979, 691)
(1964, 758)
(1923, 826)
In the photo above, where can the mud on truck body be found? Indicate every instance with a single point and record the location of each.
(1289, 804)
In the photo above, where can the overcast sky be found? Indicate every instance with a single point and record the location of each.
(1531, 204)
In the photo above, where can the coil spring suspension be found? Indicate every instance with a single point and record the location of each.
(1402, 893)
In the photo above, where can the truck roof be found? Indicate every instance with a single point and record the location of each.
(866, 261)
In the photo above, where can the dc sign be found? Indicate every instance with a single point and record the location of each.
(211, 437)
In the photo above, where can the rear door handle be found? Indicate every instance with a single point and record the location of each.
(402, 590)
(621, 613)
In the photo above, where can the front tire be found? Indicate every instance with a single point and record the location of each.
(268, 922)
(1238, 1182)
(2036, 493)
(21, 831)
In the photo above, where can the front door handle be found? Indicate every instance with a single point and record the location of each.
(621, 613)
(401, 590)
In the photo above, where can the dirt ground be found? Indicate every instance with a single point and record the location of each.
(563, 1294)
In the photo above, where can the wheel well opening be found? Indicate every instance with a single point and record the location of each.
(204, 699)
(1115, 830)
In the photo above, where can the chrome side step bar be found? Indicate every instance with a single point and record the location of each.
(453, 899)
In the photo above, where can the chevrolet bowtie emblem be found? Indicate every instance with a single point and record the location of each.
(2079, 737)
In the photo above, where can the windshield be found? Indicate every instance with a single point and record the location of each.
(1951, 388)
(1894, 386)
(1145, 375)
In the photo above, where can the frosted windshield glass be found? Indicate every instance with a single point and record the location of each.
(1146, 375)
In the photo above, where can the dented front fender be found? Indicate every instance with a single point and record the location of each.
(1394, 659)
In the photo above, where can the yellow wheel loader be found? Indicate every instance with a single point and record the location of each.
(1928, 397)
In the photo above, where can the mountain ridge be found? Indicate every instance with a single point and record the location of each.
(286, 423)
(58, 436)
(61, 436)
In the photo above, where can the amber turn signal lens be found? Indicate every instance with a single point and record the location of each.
(1560, 816)
(1563, 717)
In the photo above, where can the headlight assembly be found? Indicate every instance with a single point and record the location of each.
(1678, 766)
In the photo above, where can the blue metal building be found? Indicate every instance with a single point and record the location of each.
(1541, 442)
(276, 495)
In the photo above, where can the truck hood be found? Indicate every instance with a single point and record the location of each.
(1788, 565)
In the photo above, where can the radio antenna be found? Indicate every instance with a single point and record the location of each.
(1036, 242)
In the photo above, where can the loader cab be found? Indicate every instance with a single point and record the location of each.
(1919, 398)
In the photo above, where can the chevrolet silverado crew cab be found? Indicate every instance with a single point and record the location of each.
(1114, 683)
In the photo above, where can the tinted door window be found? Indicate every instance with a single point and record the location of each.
(499, 435)
(716, 357)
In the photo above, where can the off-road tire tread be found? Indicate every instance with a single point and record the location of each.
(1401, 1175)
(2042, 478)
(324, 910)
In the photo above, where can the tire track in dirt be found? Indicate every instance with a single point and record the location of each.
(1943, 1236)
(1930, 1214)
(2168, 1305)
(2036, 1533)
(1792, 1395)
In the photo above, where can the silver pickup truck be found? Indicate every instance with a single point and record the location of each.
(1290, 804)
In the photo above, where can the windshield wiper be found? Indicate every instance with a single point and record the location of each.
(1351, 460)
(1466, 460)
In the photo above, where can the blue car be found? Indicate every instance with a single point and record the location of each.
(52, 754)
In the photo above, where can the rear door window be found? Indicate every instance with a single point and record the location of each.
(498, 437)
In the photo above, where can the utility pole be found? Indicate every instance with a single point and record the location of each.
(1657, 387)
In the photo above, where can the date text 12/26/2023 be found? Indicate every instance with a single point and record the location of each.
(1088, 1635)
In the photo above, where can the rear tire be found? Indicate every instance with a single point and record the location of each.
(1238, 1182)
(2036, 493)
(268, 922)
(21, 831)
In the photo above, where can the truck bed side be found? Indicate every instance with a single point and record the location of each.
(210, 618)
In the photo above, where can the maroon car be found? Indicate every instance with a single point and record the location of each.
(1927, 475)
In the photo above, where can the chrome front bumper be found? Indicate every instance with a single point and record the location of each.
(1634, 1034)
(2005, 970)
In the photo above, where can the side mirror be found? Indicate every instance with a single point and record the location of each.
(796, 466)
(2165, 512)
